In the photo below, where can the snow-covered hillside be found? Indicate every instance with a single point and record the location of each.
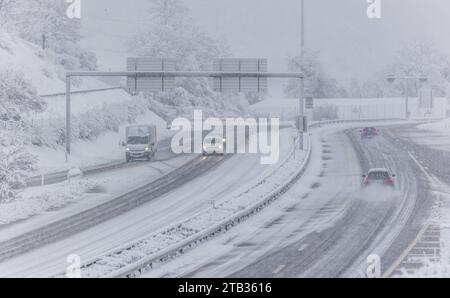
(99, 119)
(45, 76)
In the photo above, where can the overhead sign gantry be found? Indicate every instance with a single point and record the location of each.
(168, 75)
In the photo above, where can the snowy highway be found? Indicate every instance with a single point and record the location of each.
(180, 194)
(191, 143)
(327, 225)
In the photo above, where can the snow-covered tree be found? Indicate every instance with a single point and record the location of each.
(171, 33)
(16, 164)
(420, 57)
(317, 83)
(355, 90)
(45, 23)
(372, 89)
(17, 96)
(6, 9)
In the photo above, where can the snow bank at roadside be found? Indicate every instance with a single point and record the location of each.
(442, 126)
(41, 201)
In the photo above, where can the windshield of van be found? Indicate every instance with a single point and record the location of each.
(137, 140)
(211, 141)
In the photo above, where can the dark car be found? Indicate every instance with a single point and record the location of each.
(369, 132)
(380, 176)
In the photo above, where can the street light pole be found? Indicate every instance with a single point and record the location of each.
(68, 112)
(407, 98)
(302, 24)
(301, 103)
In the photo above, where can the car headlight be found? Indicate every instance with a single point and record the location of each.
(146, 149)
(128, 149)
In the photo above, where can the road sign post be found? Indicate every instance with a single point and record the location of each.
(309, 102)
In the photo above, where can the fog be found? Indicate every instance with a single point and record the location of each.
(351, 45)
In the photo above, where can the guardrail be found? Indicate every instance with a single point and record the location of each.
(320, 123)
(135, 269)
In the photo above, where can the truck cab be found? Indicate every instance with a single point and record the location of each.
(141, 143)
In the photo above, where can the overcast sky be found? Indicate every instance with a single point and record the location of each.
(350, 44)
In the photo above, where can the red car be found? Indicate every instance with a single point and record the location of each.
(380, 176)
(369, 132)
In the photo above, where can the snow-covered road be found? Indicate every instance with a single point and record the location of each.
(324, 226)
(232, 177)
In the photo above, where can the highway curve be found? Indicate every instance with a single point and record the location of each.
(328, 225)
(377, 221)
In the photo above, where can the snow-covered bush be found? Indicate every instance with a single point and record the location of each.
(57, 197)
(89, 125)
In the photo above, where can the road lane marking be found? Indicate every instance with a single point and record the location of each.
(434, 181)
(278, 270)
(302, 248)
(397, 263)
(421, 167)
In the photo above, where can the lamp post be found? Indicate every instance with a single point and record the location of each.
(302, 24)
(301, 103)
(406, 79)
